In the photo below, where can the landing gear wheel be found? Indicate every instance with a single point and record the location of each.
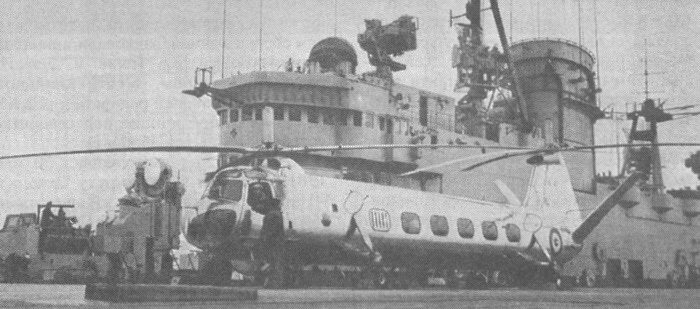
(559, 284)
(381, 280)
(216, 270)
(501, 278)
(589, 281)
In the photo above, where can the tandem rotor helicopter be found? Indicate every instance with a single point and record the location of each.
(263, 214)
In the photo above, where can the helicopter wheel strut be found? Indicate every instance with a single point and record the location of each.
(216, 270)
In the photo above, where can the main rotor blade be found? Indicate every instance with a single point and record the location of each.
(190, 149)
(679, 144)
(392, 146)
(684, 107)
(574, 148)
(505, 156)
(460, 160)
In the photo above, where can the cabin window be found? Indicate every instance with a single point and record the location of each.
(312, 115)
(512, 232)
(433, 139)
(342, 118)
(382, 123)
(227, 188)
(233, 115)
(465, 228)
(328, 117)
(357, 119)
(258, 114)
(490, 230)
(379, 220)
(223, 114)
(278, 113)
(410, 223)
(389, 125)
(294, 114)
(247, 114)
(369, 120)
(438, 224)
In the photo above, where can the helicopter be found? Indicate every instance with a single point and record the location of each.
(263, 214)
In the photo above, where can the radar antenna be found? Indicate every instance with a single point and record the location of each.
(383, 42)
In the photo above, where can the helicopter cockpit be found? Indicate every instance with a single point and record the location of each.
(233, 193)
(228, 186)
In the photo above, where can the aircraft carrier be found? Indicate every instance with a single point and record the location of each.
(652, 239)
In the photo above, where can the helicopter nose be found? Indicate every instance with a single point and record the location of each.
(212, 228)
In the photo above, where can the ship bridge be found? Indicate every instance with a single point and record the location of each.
(325, 103)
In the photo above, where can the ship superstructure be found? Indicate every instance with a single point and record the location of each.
(541, 91)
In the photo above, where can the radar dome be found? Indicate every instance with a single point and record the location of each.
(330, 53)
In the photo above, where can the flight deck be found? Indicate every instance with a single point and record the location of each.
(72, 296)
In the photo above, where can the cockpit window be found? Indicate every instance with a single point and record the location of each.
(227, 187)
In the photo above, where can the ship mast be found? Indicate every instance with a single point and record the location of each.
(522, 104)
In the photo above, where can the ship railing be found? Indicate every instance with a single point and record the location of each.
(570, 42)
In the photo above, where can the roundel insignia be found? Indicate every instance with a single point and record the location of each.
(555, 241)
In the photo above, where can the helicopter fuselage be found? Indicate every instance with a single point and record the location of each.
(330, 220)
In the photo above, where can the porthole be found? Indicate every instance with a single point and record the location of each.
(410, 222)
(490, 230)
(465, 228)
(512, 232)
(439, 225)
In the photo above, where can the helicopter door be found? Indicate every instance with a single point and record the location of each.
(260, 200)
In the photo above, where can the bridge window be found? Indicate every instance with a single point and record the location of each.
(379, 220)
(490, 230)
(278, 113)
(410, 223)
(294, 114)
(342, 118)
(423, 111)
(223, 114)
(439, 225)
(258, 114)
(382, 123)
(312, 115)
(357, 119)
(512, 232)
(465, 228)
(369, 120)
(233, 115)
(12, 221)
(247, 114)
(328, 117)
(389, 125)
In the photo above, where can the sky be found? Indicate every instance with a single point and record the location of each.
(93, 74)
